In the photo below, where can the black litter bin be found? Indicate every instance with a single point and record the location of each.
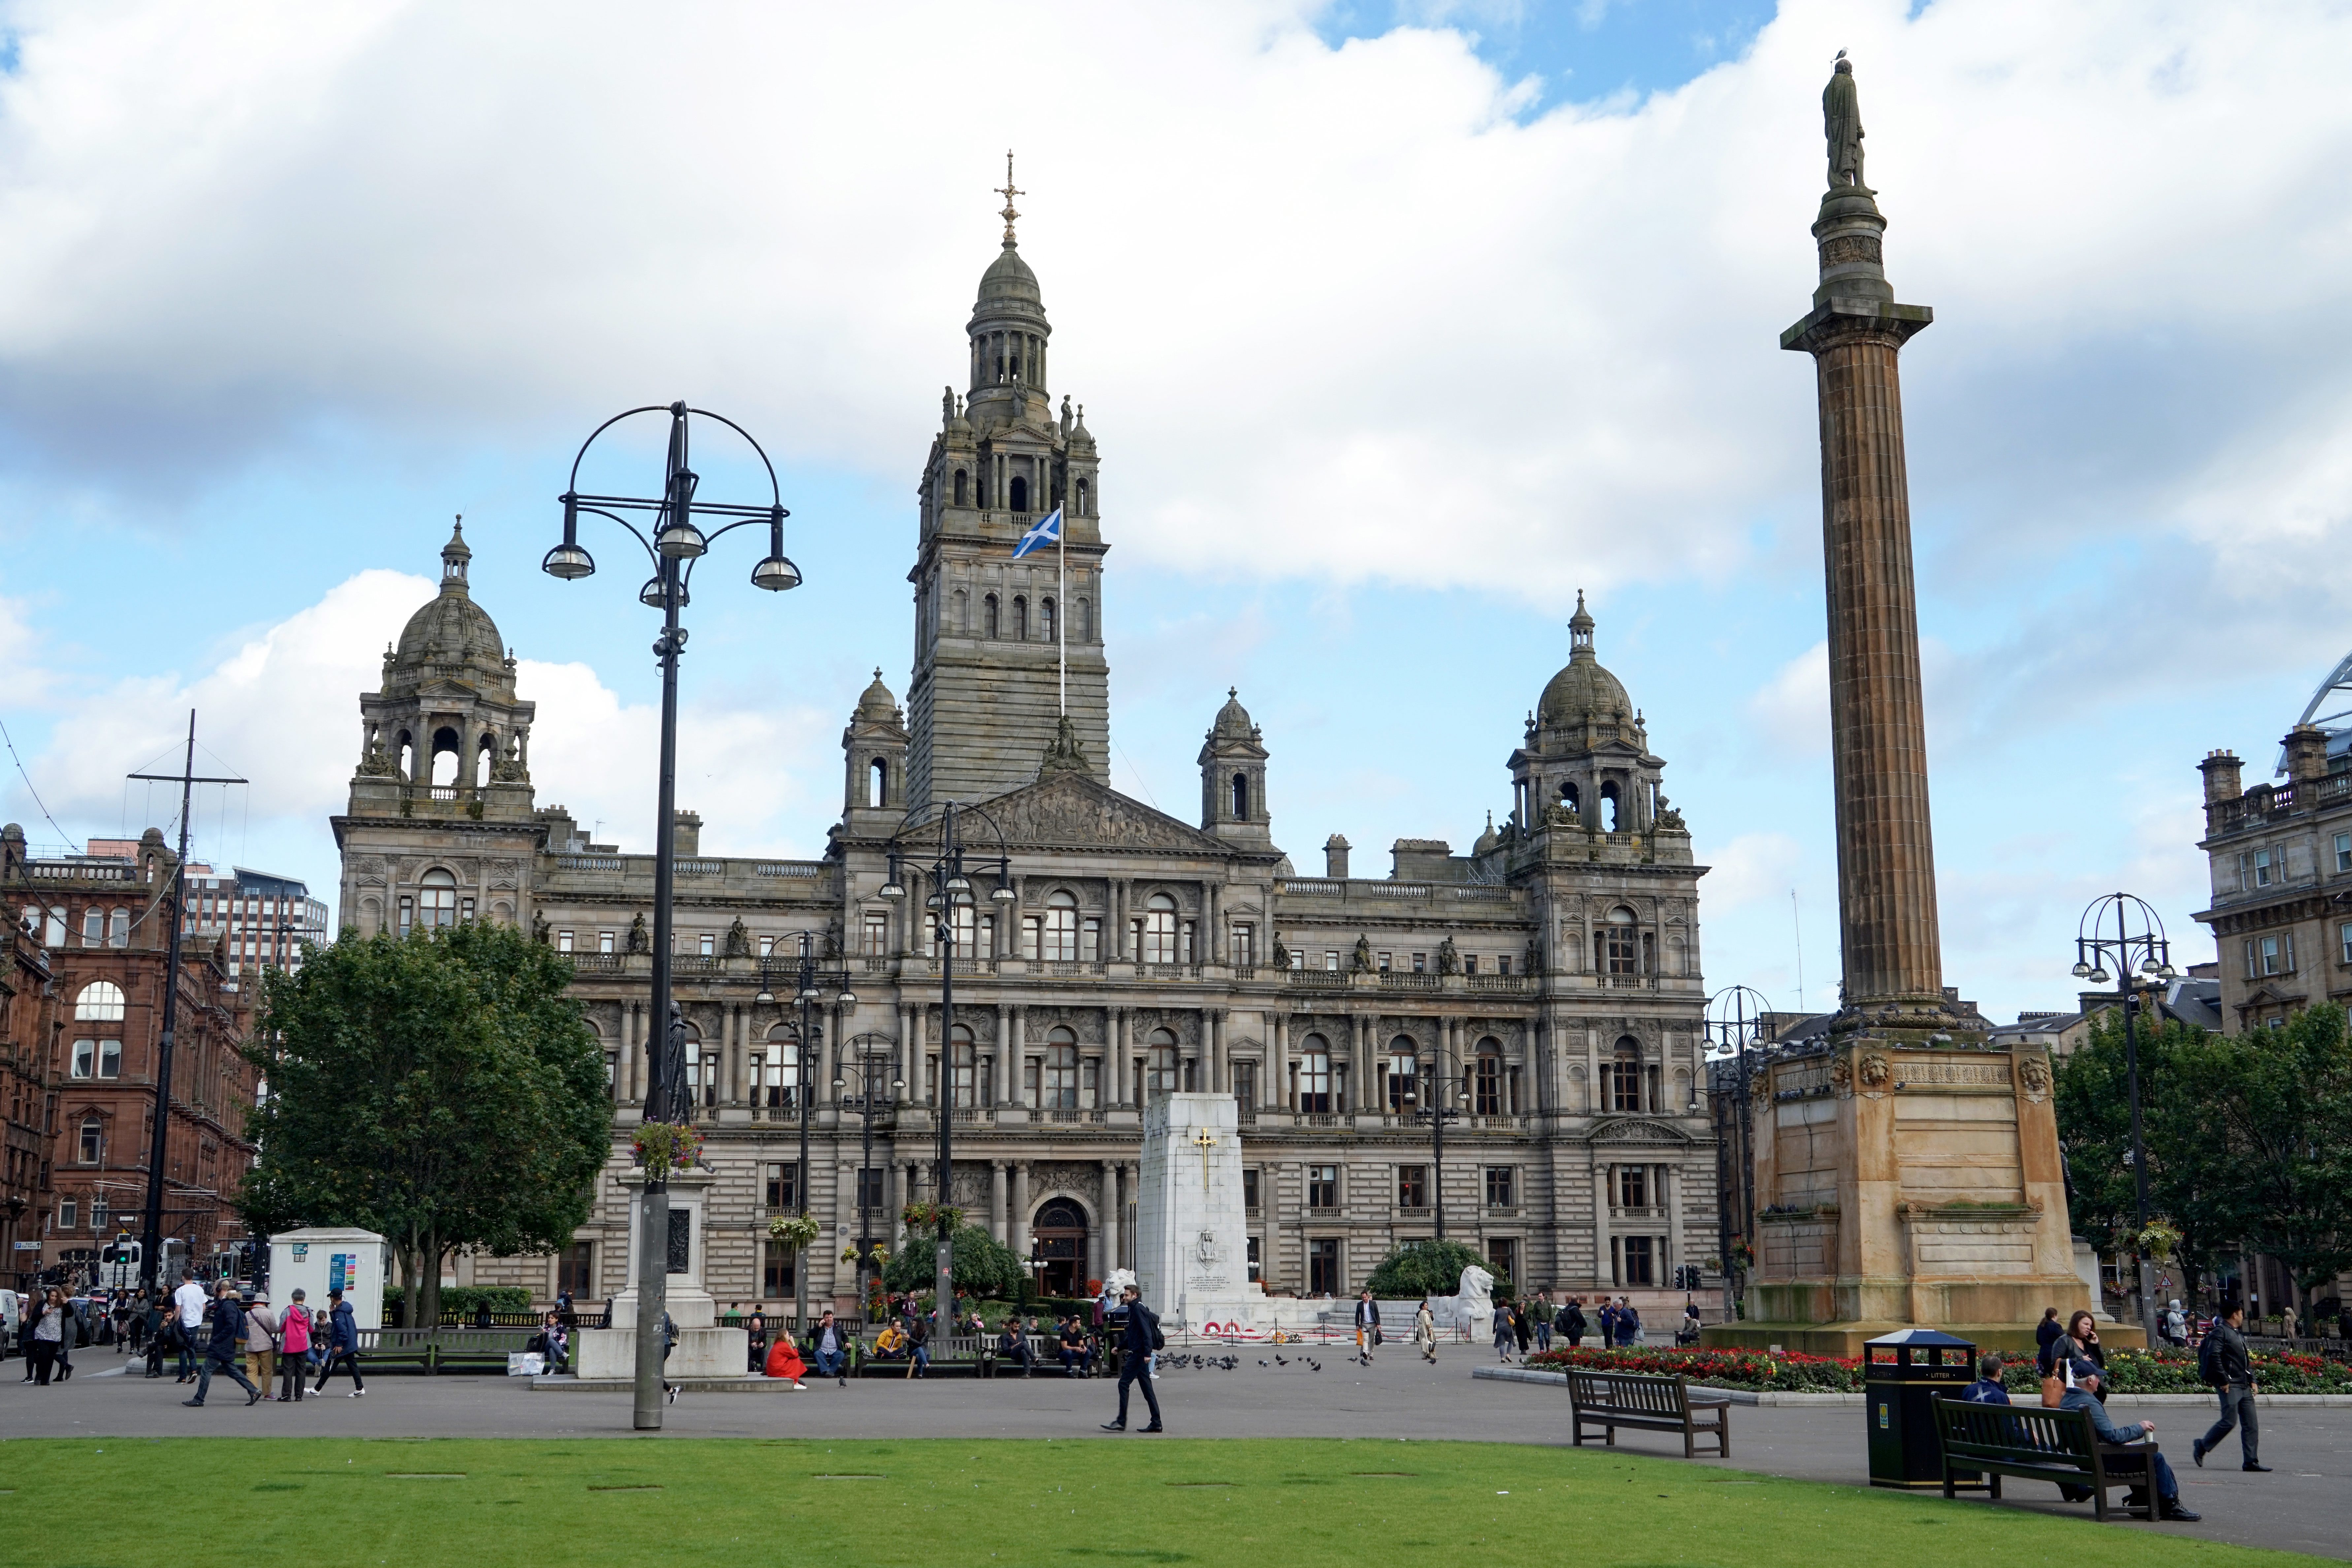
(1902, 1374)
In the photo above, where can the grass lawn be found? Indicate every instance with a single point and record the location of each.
(354, 1503)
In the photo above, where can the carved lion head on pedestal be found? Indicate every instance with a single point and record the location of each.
(2034, 1074)
(1874, 1074)
(1842, 1076)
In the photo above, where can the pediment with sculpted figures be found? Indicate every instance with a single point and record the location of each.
(1636, 1130)
(1068, 810)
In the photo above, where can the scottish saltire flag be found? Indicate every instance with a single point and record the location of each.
(1048, 530)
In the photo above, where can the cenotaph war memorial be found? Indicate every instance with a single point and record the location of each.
(1906, 1166)
(1191, 1232)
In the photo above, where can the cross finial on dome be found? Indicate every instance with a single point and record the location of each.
(1008, 191)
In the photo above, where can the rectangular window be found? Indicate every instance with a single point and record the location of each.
(1090, 939)
(707, 944)
(1322, 1266)
(1331, 961)
(97, 1212)
(1633, 1186)
(877, 935)
(563, 942)
(110, 1058)
(604, 942)
(783, 1181)
(1640, 1265)
(2245, 870)
(85, 1058)
(1243, 940)
(1249, 1189)
(1503, 965)
(1322, 1187)
(2344, 940)
(1469, 964)
(1255, 1267)
(2261, 868)
(1244, 1083)
(1503, 1253)
(1185, 952)
(576, 1270)
(871, 1192)
(1032, 931)
(776, 1271)
(69, 1213)
(1501, 1187)
(1383, 965)
(2344, 851)
(2276, 959)
(1412, 1186)
(2253, 961)
(767, 945)
(1420, 964)
(464, 909)
(408, 914)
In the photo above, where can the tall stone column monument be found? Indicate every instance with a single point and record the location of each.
(1907, 1170)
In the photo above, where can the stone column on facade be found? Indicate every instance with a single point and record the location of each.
(645, 1051)
(1115, 947)
(1102, 1240)
(1212, 945)
(1017, 1091)
(1213, 1031)
(1118, 1033)
(1886, 870)
(1128, 1178)
(1603, 1271)
(1277, 1093)
(1018, 1240)
(910, 1055)
(996, 1199)
(1673, 1187)
(738, 1025)
(844, 1221)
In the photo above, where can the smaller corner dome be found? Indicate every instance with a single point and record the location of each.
(450, 629)
(875, 703)
(1233, 719)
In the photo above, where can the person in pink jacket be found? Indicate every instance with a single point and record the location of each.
(294, 1349)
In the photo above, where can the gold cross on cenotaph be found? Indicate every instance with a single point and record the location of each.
(1204, 1142)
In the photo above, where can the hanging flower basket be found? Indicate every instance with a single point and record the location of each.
(2159, 1238)
(924, 1216)
(796, 1231)
(662, 1147)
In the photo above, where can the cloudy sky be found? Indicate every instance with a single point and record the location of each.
(1397, 323)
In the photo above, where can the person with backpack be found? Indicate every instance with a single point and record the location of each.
(1140, 1340)
(221, 1353)
(2227, 1366)
(1573, 1324)
(342, 1346)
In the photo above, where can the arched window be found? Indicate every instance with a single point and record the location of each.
(961, 603)
(118, 928)
(987, 616)
(93, 927)
(1020, 487)
(1621, 1077)
(437, 899)
(1084, 626)
(99, 1002)
(1569, 798)
(878, 781)
(701, 1070)
(1059, 937)
(407, 757)
(1058, 1089)
(1315, 1091)
(1608, 807)
(485, 752)
(1045, 618)
(93, 1138)
(962, 482)
(1619, 950)
(1240, 797)
(967, 1068)
(1020, 619)
(1082, 499)
(1160, 1065)
(446, 758)
(1157, 931)
(1400, 1068)
(1486, 1079)
(776, 1070)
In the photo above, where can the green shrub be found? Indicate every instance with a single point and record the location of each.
(982, 1265)
(1788, 1373)
(458, 1301)
(1429, 1268)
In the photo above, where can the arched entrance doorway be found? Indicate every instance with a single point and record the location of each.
(1060, 1231)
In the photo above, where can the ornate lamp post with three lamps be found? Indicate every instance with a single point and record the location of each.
(2092, 949)
(951, 890)
(677, 543)
(872, 1053)
(809, 985)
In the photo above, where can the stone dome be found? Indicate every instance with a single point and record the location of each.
(450, 632)
(1008, 278)
(876, 706)
(1233, 719)
(1583, 686)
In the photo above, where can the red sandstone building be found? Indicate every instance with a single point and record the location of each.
(99, 924)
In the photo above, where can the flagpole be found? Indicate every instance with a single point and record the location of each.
(1062, 610)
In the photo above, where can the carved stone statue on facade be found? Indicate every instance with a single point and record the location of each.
(1842, 125)
(539, 927)
(1361, 962)
(1281, 955)
(1449, 959)
(1534, 956)
(738, 940)
(640, 939)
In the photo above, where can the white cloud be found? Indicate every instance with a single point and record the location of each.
(1752, 867)
(1320, 300)
(1792, 710)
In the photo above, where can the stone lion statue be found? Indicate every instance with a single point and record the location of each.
(1472, 1306)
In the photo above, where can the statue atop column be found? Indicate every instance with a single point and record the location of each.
(1842, 125)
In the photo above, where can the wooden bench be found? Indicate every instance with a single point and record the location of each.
(1613, 1399)
(435, 1350)
(974, 1353)
(2037, 1444)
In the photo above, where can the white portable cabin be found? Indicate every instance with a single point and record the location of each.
(320, 1258)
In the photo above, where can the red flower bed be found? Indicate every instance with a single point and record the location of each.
(1788, 1371)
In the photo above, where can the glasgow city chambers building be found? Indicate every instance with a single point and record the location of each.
(1545, 986)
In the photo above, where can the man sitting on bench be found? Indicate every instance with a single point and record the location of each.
(1076, 1352)
(2083, 1396)
(1013, 1346)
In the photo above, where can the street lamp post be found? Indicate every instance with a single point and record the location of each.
(2093, 948)
(809, 987)
(870, 1051)
(951, 891)
(1438, 1114)
(677, 543)
(1735, 1022)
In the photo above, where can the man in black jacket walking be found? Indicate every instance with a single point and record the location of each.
(1135, 1358)
(220, 1350)
(2233, 1375)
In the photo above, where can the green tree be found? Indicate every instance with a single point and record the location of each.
(1429, 1268)
(439, 1089)
(2280, 1100)
(982, 1266)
